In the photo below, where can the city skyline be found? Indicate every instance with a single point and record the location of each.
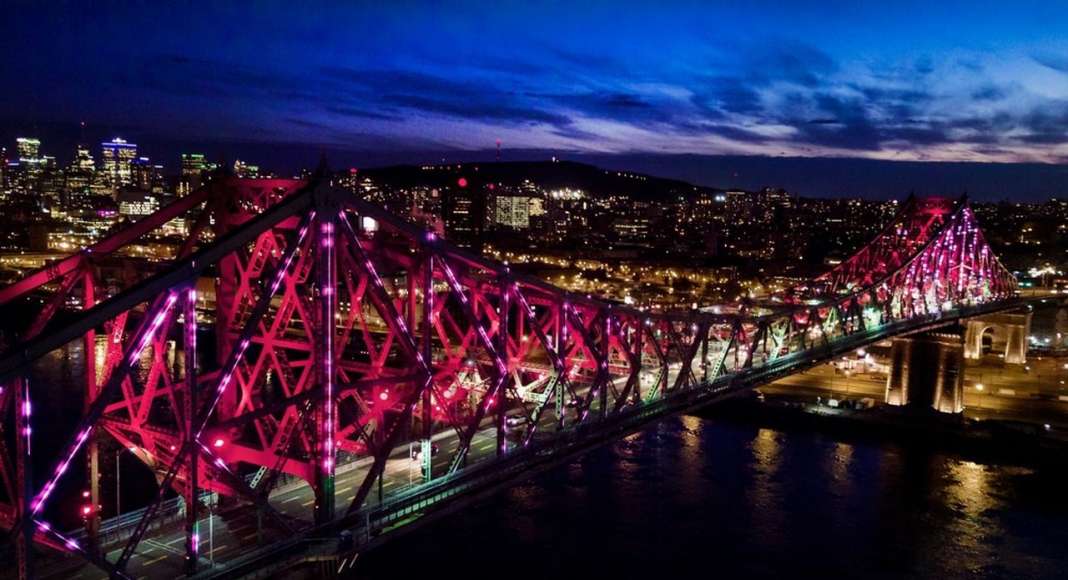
(808, 177)
(373, 85)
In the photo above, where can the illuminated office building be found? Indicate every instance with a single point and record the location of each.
(117, 157)
(194, 166)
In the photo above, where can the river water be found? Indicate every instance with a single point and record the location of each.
(708, 497)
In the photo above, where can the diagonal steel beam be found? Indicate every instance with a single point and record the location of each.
(18, 358)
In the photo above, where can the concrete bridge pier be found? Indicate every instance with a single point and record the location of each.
(927, 372)
(1008, 332)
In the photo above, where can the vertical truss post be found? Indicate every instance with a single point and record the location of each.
(24, 478)
(665, 367)
(502, 351)
(192, 496)
(324, 364)
(92, 450)
(426, 325)
(562, 371)
(640, 349)
(704, 354)
(606, 377)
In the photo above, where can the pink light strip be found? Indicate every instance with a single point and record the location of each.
(328, 277)
(486, 342)
(27, 410)
(242, 346)
(146, 338)
(377, 281)
(70, 543)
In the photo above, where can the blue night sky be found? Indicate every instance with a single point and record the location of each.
(923, 81)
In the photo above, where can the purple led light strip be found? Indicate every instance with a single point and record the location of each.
(243, 344)
(326, 242)
(83, 436)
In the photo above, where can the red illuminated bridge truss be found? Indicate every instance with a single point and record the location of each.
(299, 333)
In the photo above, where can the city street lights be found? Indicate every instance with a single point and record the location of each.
(979, 387)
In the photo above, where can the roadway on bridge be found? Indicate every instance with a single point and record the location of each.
(233, 532)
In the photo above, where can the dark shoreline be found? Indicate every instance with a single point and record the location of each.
(987, 441)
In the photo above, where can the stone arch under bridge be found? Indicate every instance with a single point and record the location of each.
(1009, 335)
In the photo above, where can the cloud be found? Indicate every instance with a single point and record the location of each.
(1055, 61)
(1046, 125)
(726, 95)
(785, 61)
(990, 92)
(770, 96)
(734, 133)
(845, 126)
(350, 111)
(616, 105)
(426, 93)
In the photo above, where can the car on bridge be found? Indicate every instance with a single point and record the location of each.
(417, 453)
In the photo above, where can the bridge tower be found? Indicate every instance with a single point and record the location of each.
(927, 371)
(1009, 332)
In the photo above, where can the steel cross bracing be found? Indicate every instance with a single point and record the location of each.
(343, 333)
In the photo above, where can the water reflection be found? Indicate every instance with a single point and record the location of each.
(695, 497)
(763, 489)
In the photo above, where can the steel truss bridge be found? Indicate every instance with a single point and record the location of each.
(311, 362)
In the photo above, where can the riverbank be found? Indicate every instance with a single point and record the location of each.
(991, 440)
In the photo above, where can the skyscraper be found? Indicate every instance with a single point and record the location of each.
(193, 167)
(147, 176)
(512, 211)
(28, 148)
(30, 164)
(242, 169)
(79, 178)
(464, 213)
(83, 159)
(117, 158)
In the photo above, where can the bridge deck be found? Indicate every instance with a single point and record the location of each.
(241, 541)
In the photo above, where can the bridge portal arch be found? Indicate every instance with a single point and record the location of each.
(1008, 332)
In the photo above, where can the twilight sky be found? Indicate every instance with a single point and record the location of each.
(927, 81)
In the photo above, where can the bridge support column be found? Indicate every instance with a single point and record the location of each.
(1008, 334)
(927, 372)
(1016, 345)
